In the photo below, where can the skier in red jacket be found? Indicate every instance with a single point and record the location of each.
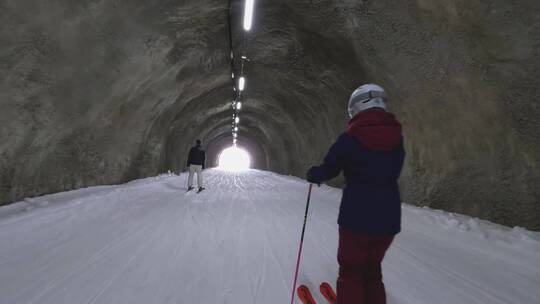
(371, 156)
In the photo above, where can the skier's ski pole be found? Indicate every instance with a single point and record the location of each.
(301, 244)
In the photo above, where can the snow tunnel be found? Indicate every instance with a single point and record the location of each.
(126, 87)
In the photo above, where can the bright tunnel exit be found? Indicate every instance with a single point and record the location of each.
(234, 159)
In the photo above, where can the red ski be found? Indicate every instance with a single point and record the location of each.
(305, 295)
(328, 293)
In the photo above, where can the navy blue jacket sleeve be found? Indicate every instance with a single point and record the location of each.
(203, 160)
(190, 157)
(334, 162)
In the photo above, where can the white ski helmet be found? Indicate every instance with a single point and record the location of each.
(366, 97)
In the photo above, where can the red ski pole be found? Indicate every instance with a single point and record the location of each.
(301, 244)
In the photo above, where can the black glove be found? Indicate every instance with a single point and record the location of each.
(310, 178)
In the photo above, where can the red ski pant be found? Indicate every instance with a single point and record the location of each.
(360, 276)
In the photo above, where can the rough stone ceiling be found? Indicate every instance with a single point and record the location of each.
(104, 91)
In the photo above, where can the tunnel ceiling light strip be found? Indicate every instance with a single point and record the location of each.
(248, 14)
(242, 83)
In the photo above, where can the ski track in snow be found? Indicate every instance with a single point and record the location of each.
(149, 241)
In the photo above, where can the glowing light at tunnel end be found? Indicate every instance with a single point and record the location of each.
(234, 159)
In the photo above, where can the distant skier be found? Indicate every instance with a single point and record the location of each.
(371, 155)
(196, 163)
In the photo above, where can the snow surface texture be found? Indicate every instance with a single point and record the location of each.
(149, 242)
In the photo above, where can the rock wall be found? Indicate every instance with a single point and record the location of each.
(89, 89)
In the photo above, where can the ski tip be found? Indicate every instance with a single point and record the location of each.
(305, 295)
(325, 285)
(328, 292)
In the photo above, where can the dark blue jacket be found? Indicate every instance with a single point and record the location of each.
(196, 156)
(371, 156)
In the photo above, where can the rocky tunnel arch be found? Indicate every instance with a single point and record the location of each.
(124, 88)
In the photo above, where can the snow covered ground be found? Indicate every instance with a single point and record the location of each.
(149, 242)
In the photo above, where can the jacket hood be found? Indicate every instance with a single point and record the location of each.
(376, 129)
